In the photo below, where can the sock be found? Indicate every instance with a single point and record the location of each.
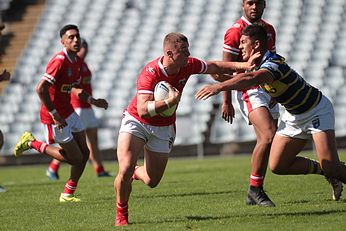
(70, 187)
(38, 146)
(256, 180)
(53, 167)
(122, 208)
(100, 169)
(314, 167)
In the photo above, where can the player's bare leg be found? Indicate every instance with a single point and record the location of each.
(128, 150)
(265, 128)
(153, 169)
(95, 156)
(334, 170)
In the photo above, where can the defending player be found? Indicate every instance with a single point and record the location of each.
(308, 113)
(142, 127)
(89, 121)
(61, 124)
(254, 104)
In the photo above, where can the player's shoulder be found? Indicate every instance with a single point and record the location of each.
(267, 24)
(237, 26)
(60, 56)
(151, 68)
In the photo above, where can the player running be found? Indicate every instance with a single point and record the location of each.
(142, 127)
(61, 123)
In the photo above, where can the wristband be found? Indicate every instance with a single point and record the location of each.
(52, 112)
(89, 99)
(166, 102)
(151, 108)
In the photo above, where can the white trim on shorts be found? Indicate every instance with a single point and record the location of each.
(252, 99)
(87, 116)
(54, 135)
(302, 126)
(157, 138)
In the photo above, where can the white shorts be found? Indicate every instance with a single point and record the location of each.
(87, 116)
(157, 138)
(255, 98)
(320, 118)
(54, 135)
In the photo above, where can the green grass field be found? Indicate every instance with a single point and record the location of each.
(194, 194)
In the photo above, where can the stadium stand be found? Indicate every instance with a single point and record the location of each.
(124, 35)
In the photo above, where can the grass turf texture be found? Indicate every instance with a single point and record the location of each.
(194, 194)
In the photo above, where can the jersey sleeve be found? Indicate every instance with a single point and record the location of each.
(232, 41)
(273, 68)
(146, 81)
(197, 66)
(53, 70)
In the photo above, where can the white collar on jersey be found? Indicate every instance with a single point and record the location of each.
(162, 68)
(68, 57)
(247, 21)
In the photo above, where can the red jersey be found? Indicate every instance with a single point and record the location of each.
(153, 73)
(233, 34)
(85, 84)
(62, 73)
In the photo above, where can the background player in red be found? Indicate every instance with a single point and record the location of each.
(308, 113)
(88, 118)
(254, 104)
(62, 125)
(143, 128)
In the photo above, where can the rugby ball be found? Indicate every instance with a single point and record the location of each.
(161, 92)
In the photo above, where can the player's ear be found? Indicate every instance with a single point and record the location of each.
(257, 44)
(170, 54)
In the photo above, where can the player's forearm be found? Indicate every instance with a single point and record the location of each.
(43, 93)
(227, 97)
(239, 82)
(82, 95)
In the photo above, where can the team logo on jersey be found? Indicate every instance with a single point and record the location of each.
(151, 70)
(66, 88)
(69, 72)
(316, 122)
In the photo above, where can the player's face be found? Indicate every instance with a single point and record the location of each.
(181, 53)
(247, 46)
(253, 9)
(71, 41)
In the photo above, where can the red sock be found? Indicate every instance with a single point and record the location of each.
(70, 187)
(256, 180)
(53, 166)
(121, 214)
(100, 169)
(39, 146)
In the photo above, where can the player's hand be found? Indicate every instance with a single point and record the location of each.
(227, 112)
(207, 91)
(251, 63)
(173, 96)
(102, 103)
(5, 75)
(59, 121)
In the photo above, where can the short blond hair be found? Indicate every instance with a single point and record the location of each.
(173, 38)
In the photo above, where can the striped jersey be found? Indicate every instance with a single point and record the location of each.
(288, 88)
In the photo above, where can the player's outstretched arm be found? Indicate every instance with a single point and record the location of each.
(238, 82)
(84, 96)
(224, 67)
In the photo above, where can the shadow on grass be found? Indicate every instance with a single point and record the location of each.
(240, 215)
(189, 194)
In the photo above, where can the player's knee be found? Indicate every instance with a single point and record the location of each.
(276, 168)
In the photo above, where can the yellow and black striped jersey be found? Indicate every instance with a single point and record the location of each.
(288, 88)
